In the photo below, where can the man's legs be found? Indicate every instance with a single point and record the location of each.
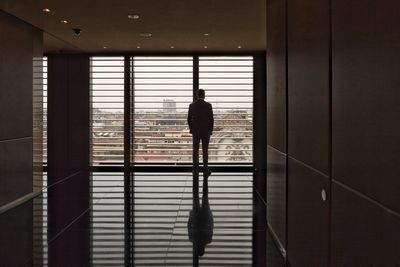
(196, 145)
(204, 144)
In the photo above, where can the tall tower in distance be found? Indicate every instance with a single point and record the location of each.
(169, 106)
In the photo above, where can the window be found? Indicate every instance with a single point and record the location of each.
(163, 90)
(107, 123)
(228, 82)
(40, 249)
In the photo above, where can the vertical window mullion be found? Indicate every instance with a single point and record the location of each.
(127, 160)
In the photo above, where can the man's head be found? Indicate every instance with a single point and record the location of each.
(201, 94)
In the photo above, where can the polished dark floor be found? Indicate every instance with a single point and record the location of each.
(163, 204)
(162, 233)
(177, 220)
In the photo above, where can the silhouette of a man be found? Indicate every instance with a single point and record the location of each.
(201, 124)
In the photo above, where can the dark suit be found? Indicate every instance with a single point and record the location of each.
(201, 124)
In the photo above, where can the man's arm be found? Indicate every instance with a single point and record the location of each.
(211, 119)
(189, 118)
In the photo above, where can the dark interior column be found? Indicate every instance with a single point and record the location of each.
(68, 160)
(259, 150)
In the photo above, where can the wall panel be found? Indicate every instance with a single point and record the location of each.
(276, 74)
(308, 216)
(308, 82)
(276, 122)
(364, 233)
(366, 110)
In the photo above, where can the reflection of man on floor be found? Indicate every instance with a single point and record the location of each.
(201, 221)
(201, 124)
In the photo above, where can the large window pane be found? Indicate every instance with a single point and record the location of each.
(163, 89)
(228, 82)
(107, 100)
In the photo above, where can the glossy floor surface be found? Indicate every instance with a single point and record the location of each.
(177, 219)
(177, 222)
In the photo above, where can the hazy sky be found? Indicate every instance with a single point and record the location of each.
(228, 82)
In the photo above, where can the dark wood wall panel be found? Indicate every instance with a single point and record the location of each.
(16, 64)
(276, 124)
(366, 110)
(308, 82)
(19, 43)
(363, 232)
(308, 216)
(308, 132)
(342, 114)
(276, 193)
(15, 169)
(16, 56)
(16, 236)
(276, 75)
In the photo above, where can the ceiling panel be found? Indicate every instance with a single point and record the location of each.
(178, 23)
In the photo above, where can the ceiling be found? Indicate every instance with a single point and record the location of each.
(175, 25)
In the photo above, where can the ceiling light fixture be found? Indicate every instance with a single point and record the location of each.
(205, 47)
(138, 47)
(239, 46)
(104, 47)
(206, 34)
(172, 47)
(64, 21)
(46, 10)
(133, 16)
(146, 34)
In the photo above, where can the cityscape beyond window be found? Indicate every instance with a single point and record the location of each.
(161, 91)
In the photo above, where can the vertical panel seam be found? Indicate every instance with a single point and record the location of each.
(330, 51)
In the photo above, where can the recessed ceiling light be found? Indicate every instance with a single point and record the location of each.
(133, 16)
(239, 46)
(105, 47)
(206, 34)
(172, 47)
(64, 21)
(46, 10)
(138, 47)
(205, 47)
(146, 34)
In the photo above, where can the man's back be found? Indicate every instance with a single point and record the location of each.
(200, 118)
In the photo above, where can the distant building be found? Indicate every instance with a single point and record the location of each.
(169, 106)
